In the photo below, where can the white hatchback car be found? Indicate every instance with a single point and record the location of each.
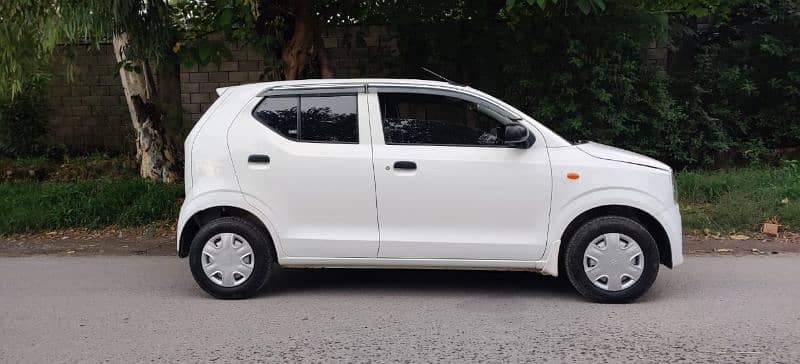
(389, 173)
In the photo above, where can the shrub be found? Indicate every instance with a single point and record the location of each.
(584, 76)
(23, 122)
(742, 91)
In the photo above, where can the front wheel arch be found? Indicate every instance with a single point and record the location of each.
(648, 221)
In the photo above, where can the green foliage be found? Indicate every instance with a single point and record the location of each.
(742, 92)
(582, 75)
(23, 121)
(585, 76)
(25, 41)
(584, 6)
(128, 201)
(694, 7)
(740, 199)
(205, 29)
(590, 82)
(30, 31)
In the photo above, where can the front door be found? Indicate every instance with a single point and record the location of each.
(448, 188)
(306, 161)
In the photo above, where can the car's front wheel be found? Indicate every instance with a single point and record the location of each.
(231, 258)
(612, 259)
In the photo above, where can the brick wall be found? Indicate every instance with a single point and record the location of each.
(90, 114)
(368, 51)
(199, 84)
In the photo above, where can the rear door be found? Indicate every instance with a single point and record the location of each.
(447, 186)
(305, 160)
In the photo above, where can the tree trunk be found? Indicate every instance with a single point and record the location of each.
(169, 101)
(297, 51)
(154, 150)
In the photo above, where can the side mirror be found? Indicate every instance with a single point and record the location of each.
(518, 136)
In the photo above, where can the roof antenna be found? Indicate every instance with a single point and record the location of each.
(439, 76)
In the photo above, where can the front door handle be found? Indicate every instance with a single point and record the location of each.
(258, 158)
(405, 165)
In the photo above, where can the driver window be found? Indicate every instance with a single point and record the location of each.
(426, 119)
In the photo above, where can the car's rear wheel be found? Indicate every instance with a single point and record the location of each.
(612, 259)
(231, 258)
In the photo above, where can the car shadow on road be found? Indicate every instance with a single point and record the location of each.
(392, 281)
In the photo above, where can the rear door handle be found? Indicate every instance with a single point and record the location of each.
(405, 165)
(258, 158)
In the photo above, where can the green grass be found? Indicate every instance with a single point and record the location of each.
(127, 201)
(722, 201)
(740, 199)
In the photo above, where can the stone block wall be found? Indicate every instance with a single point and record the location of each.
(89, 112)
(368, 51)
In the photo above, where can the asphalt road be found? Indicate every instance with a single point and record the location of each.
(135, 309)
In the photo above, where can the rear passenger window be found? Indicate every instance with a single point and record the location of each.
(327, 119)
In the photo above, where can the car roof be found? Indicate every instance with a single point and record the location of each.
(264, 87)
(346, 81)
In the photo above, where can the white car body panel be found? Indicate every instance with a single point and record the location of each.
(336, 205)
(461, 202)
(321, 196)
(606, 182)
(615, 154)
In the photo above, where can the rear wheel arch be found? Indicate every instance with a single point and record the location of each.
(648, 221)
(202, 217)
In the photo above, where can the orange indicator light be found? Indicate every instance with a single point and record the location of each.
(573, 175)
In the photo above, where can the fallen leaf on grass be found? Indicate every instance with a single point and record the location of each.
(740, 237)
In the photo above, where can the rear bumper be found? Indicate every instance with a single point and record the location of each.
(671, 221)
(183, 218)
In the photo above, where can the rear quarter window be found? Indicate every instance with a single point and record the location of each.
(279, 114)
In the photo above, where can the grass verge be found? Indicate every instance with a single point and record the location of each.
(722, 201)
(127, 201)
(740, 199)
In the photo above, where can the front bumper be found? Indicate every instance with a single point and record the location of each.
(671, 221)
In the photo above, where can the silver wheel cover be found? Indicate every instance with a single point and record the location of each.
(227, 259)
(613, 261)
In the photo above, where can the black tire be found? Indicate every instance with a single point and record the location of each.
(573, 259)
(264, 257)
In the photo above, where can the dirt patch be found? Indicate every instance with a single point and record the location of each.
(156, 239)
(159, 239)
(740, 244)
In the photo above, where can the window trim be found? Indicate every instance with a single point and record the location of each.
(446, 94)
(298, 125)
(308, 89)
